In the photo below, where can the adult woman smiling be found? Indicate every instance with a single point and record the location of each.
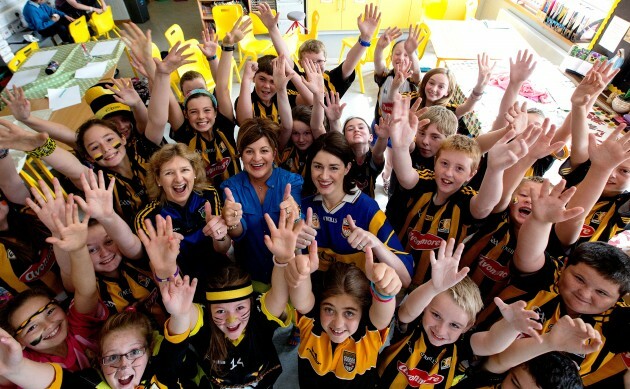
(261, 188)
(176, 183)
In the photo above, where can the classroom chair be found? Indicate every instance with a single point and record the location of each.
(33, 171)
(250, 47)
(225, 16)
(311, 33)
(21, 56)
(449, 9)
(79, 30)
(425, 35)
(257, 24)
(175, 34)
(351, 40)
(368, 56)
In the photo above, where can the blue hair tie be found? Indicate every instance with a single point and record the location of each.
(205, 92)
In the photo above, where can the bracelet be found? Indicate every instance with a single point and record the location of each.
(4, 153)
(91, 9)
(167, 278)
(378, 296)
(227, 48)
(212, 58)
(364, 43)
(478, 94)
(44, 150)
(232, 228)
(280, 264)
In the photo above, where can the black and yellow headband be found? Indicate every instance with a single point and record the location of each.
(230, 293)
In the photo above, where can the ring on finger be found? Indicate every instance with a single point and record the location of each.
(235, 213)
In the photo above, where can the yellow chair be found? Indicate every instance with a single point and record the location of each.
(225, 16)
(103, 23)
(257, 25)
(368, 56)
(79, 30)
(21, 56)
(175, 34)
(250, 47)
(351, 40)
(449, 9)
(33, 171)
(313, 33)
(425, 35)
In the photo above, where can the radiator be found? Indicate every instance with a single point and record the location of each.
(538, 38)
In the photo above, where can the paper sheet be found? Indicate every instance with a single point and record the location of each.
(63, 97)
(92, 70)
(40, 58)
(614, 33)
(104, 48)
(24, 77)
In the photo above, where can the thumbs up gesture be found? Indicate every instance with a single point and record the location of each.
(384, 277)
(288, 204)
(308, 233)
(215, 225)
(232, 211)
(359, 238)
(302, 266)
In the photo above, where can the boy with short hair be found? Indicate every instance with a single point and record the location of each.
(440, 205)
(433, 346)
(589, 284)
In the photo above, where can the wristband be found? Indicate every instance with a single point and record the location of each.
(380, 297)
(4, 153)
(477, 94)
(91, 9)
(231, 228)
(279, 264)
(212, 58)
(364, 43)
(167, 278)
(227, 48)
(44, 150)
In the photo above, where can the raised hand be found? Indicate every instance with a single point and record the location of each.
(400, 75)
(413, 40)
(390, 35)
(505, 153)
(50, 206)
(606, 70)
(72, 232)
(359, 238)
(333, 109)
(176, 57)
(307, 233)
(250, 69)
(14, 137)
(282, 239)
(238, 32)
(209, 42)
(314, 79)
(288, 204)
(485, 69)
(18, 104)
(232, 211)
(574, 336)
(444, 272)
(384, 124)
(403, 126)
(302, 266)
(384, 277)
(124, 92)
(139, 43)
(10, 353)
(522, 320)
(612, 151)
(99, 197)
(522, 67)
(177, 294)
(549, 206)
(368, 21)
(161, 245)
(281, 73)
(215, 225)
(542, 146)
(263, 10)
(516, 115)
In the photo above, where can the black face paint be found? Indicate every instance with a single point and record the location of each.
(37, 341)
(99, 156)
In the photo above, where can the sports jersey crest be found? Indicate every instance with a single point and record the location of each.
(202, 211)
(349, 360)
(420, 241)
(597, 217)
(345, 228)
(445, 363)
(416, 377)
(315, 221)
(444, 226)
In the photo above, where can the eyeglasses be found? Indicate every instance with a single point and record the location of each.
(131, 356)
(27, 321)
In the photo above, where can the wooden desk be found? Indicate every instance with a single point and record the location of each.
(464, 39)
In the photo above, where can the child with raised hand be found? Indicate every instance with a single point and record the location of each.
(440, 205)
(40, 325)
(433, 346)
(131, 354)
(342, 330)
(588, 284)
(237, 341)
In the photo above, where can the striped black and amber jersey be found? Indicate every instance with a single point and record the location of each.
(365, 174)
(411, 361)
(350, 364)
(218, 153)
(262, 110)
(333, 81)
(384, 82)
(292, 159)
(488, 254)
(427, 224)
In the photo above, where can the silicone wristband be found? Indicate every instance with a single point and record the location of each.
(167, 278)
(380, 297)
(364, 43)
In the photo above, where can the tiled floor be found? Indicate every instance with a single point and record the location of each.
(165, 13)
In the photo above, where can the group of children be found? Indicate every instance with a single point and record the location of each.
(479, 273)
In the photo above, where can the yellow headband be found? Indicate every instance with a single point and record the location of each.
(227, 295)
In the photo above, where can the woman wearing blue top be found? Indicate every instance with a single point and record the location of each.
(260, 188)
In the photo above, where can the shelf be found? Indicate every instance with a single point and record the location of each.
(530, 16)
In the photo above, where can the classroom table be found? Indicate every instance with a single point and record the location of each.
(70, 58)
(465, 39)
